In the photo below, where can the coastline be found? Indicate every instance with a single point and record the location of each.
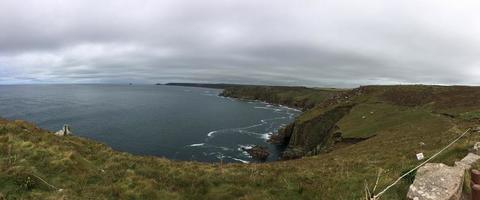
(166, 131)
(83, 167)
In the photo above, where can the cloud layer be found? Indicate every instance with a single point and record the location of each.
(316, 43)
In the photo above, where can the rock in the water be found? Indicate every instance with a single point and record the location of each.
(258, 152)
(437, 181)
(65, 131)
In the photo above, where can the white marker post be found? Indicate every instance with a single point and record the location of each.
(420, 156)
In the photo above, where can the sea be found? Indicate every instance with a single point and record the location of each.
(178, 123)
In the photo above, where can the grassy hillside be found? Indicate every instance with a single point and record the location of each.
(298, 97)
(374, 109)
(403, 121)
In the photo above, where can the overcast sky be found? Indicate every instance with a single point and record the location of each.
(282, 42)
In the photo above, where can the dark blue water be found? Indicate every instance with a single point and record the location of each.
(179, 123)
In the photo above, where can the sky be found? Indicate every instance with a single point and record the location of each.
(323, 43)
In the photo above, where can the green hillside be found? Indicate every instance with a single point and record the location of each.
(298, 97)
(388, 124)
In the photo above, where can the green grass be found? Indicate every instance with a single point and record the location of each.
(299, 97)
(86, 169)
(366, 120)
(471, 116)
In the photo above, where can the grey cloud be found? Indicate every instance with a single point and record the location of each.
(315, 43)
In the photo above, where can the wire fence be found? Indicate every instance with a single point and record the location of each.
(378, 195)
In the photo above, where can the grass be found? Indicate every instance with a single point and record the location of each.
(86, 169)
(299, 97)
(471, 116)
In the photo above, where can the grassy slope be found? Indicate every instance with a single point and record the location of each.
(87, 169)
(299, 97)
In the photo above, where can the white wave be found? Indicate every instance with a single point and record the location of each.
(211, 133)
(249, 132)
(242, 147)
(197, 145)
(240, 160)
(264, 107)
(266, 136)
(289, 108)
(272, 119)
(220, 156)
(252, 126)
(246, 154)
(225, 148)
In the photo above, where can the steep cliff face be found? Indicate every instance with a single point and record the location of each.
(315, 135)
(350, 116)
(302, 137)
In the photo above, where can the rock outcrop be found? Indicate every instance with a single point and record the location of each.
(475, 149)
(283, 135)
(315, 135)
(467, 162)
(65, 131)
(437, 181)
(259, 153)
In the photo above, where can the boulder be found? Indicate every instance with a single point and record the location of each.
(476, 148)
(293, 153)
(258, 152)
(65, 131)
(467, 162)
(437, 181)
(476, 129)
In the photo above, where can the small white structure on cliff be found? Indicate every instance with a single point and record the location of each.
(65, 131)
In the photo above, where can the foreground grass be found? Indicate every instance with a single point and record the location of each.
(79, 168)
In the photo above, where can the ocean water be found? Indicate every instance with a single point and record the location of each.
(180, 123)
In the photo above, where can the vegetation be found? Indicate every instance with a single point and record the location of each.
(401, 125)
(204, 85)
(298, 97)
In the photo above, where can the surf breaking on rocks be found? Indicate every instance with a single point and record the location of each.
(235, 150)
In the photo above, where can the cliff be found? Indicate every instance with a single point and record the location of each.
(204, 85)
(328, 122)
(297, 97)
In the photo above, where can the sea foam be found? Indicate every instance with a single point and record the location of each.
(210, 134)
(240, 160)
(197, 145)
